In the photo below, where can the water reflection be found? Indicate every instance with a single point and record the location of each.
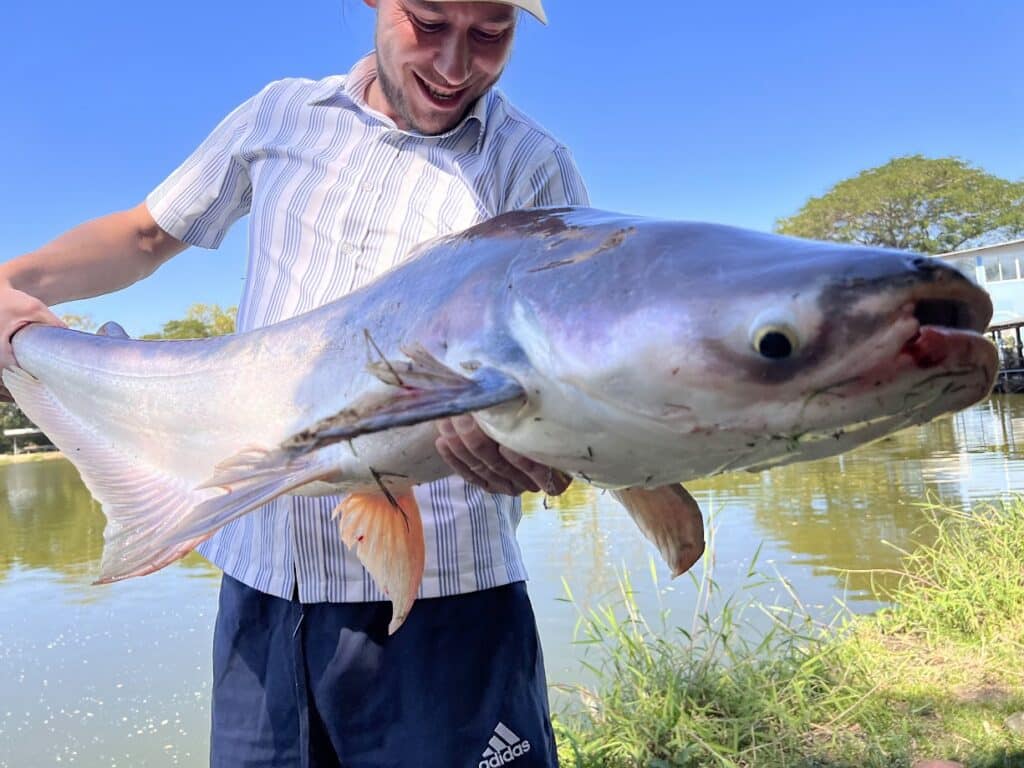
(856, 511)
(47, 518)
(848, 512)
(119, 674)
(819, 524)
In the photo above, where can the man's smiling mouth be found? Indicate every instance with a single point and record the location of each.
(440, 96)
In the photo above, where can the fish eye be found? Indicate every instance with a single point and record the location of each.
(775, 342)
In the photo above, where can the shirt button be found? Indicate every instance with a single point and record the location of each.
(367, 186)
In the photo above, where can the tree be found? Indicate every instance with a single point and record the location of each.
(200, 322)
(928, 205)
(11, 417)
(79, 322)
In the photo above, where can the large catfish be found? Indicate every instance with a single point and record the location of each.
(632, 353)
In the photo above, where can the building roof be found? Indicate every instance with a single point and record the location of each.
(980, 248)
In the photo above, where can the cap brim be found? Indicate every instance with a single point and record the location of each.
(532, 7)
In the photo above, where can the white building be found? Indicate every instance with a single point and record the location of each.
(999, 269)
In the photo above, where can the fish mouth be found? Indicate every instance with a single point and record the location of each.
(932, 358)
(941, 321)
(954, 312)
(923, 353)
(929, 357)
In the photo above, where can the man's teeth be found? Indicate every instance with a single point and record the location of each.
(441, 96)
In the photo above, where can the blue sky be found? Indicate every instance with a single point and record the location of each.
(730, 112)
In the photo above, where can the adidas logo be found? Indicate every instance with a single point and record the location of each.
(504, 747)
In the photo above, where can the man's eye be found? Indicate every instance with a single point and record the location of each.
(489, 37)
(426, 26)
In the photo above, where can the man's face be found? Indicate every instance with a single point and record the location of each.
(434, 60)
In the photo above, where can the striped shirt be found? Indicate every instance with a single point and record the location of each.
(337, 194)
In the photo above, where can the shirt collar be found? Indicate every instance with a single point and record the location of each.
(335, 91)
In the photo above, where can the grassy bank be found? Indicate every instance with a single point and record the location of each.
(23, 458)
(934, 677)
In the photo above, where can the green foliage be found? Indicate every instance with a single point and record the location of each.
(934, 677)
(79, 322)
(928, 205)
(11, 417)
(713, 695)
(200, 322)
(967, 586)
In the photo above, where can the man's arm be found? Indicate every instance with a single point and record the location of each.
(94, 258)
(206, 193)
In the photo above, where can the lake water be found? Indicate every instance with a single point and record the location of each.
(119, 675)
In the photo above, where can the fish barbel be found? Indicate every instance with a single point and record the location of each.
(633, 353)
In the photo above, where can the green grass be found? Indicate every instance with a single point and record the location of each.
(27, 458)
(933, 677)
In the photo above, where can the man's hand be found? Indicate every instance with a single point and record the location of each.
(18, 309)
(477, 459)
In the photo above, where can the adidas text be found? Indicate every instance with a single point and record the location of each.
(505, 756)
(503, 747)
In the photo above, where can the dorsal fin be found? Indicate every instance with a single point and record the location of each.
(113, 330)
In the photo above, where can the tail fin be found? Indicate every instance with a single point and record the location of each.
(141, 503)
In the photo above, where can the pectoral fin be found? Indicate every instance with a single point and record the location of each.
(387, 537)
(670, 518)
(426, 390)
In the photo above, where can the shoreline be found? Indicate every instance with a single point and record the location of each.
(933, 680)
(27, 458)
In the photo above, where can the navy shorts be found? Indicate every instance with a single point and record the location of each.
(461, 683)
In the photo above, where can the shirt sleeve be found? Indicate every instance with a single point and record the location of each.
(553, 181)
(211, 190)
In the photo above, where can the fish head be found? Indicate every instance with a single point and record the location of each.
(769, 349)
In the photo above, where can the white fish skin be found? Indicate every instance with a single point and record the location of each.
(633, 353)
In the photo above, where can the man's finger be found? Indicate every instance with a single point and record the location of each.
(477, 450)
(479, 457)
(486, 480)
(26, 311)
(552, 481)
(446, 428)
(489, 463)
(476, 440)
(6, 354)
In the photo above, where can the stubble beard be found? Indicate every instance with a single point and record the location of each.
(394, 96)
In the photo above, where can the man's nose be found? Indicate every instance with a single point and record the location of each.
(453, 60)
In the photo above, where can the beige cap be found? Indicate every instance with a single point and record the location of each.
(532, 7)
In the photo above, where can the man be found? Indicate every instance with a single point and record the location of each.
(341, 178)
